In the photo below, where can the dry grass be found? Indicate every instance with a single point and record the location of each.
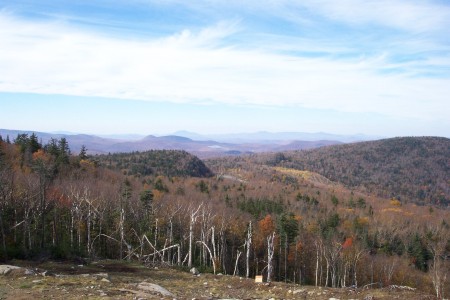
(80, 282)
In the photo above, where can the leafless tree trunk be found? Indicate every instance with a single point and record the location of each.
(248, 244)
(193, 219)
(156, 235)
(122, 232)
(88, 221)
(210, 254)
(213, 241)
(439, 269)
(171, 231)
(270, 252)
(237, 261)
(285, 257)
(317, 261)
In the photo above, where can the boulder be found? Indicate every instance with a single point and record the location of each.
(5, 269)
(154, 288)
(194, 271)
(29, 272)
(101, 275)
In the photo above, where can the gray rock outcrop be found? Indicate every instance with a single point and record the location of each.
(154, 288)
(5, 269)
(194, 271)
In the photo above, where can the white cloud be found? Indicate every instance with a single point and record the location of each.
(54, 58)
(409, 15)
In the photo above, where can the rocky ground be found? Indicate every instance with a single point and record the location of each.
(122, 280)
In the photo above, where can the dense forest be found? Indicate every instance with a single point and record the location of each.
(170, 163)
(411, 169)
(251, 218)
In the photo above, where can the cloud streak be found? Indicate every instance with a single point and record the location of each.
(203, 66)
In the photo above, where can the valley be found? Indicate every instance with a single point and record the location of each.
(283, 215)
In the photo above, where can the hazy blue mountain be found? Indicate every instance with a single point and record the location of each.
(125, 137)
(202, 146)
(266, 137)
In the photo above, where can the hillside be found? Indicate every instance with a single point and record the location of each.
(251, 219)
(156, 162)
(411, 169)
(197, 144)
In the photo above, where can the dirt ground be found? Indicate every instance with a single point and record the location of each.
(124, 280)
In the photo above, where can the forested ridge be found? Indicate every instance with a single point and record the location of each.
(251, 218)
(411, 169)
(156, 162)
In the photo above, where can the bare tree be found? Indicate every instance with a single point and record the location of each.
(248, 244)
(270, 252)
(211, 255)
(236, 263)
(192, 221)
(439, 269)
(332, 255)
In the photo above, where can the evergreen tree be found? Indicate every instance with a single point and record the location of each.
(83, 154)
(419, 253)
(33, 143)
(22, 141)
(289, 226)
(146, 198)
(52, 147)
(64, 151)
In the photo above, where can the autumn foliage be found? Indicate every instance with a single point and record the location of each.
(57, 204)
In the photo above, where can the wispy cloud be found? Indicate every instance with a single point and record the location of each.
(417, 16)
(232, 62)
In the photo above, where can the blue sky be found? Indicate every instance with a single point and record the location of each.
(154, 67)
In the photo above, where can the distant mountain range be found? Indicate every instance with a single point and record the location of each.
(271, 137)
(200, 145)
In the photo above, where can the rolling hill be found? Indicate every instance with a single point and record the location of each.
(156, 162)
(411, 169)
(196, 144)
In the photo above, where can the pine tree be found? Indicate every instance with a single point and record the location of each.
(64, 151)
(83, 154)
(33, 143)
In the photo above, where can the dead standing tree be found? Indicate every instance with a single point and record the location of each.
(248, 243)
(439, 269)
(270, 252)
(124, 198)
(192, 221)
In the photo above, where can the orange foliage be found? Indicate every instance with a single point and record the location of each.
(87, 165)
(395, 202)
(363, 221)
(267, 225)
(40, 155)
(157, 195)
(348, 243)
(58, 197)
